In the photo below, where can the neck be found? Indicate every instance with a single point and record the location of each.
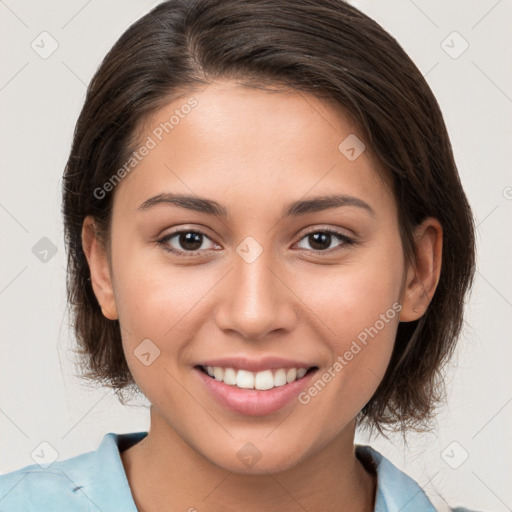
(166, 473)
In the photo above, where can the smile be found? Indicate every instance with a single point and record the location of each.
(261, 381)
(254, 387)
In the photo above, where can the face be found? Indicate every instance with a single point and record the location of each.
(254, 277)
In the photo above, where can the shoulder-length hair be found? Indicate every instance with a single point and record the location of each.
(333, 51)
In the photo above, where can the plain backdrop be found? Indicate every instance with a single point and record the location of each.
(466, 460)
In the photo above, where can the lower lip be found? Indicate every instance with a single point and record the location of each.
(252, 402)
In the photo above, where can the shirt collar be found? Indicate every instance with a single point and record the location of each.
(104, 480)
(395, 490)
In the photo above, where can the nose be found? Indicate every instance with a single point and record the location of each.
(255, 300)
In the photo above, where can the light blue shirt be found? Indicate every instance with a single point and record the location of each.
(96, 481)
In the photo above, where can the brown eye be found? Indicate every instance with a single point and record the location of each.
(185, 241)
(322, 240)
(190, 241)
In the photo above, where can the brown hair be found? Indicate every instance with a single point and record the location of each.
(329, 49)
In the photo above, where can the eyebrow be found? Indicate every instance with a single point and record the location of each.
(301, 207)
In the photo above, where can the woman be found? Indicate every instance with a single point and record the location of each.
(268, 237)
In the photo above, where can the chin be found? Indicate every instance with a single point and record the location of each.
(256, 458)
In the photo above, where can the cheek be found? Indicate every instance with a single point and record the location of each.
(153, 295)
(160, 308)
(156, 307)
(358, 306)
(353, 297)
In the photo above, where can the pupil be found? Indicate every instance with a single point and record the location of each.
(190, 241)
(320, 240)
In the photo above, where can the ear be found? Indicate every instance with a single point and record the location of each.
(101, 280)
(423, 275)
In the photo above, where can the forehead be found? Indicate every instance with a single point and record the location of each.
(224, 139)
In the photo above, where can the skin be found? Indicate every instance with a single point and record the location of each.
(254, 152)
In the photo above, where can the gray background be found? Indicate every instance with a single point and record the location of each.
(40, 98)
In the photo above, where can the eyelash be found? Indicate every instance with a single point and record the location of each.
(162, 242)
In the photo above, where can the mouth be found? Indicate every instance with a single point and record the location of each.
(254, 387)
(263, 380)
(261, 392)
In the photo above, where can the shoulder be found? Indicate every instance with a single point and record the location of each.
(395, 489)
(88, 481)
(55, 488)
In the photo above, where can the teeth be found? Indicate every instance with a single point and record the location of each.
(230, 376)
(291, 375)
(266, 379)
(280, 378)
(301, 372)
(245, 379)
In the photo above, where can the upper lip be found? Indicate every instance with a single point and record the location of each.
(255, 365)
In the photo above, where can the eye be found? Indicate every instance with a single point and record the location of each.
(185, 242)
(190, 242)
(321, 240)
